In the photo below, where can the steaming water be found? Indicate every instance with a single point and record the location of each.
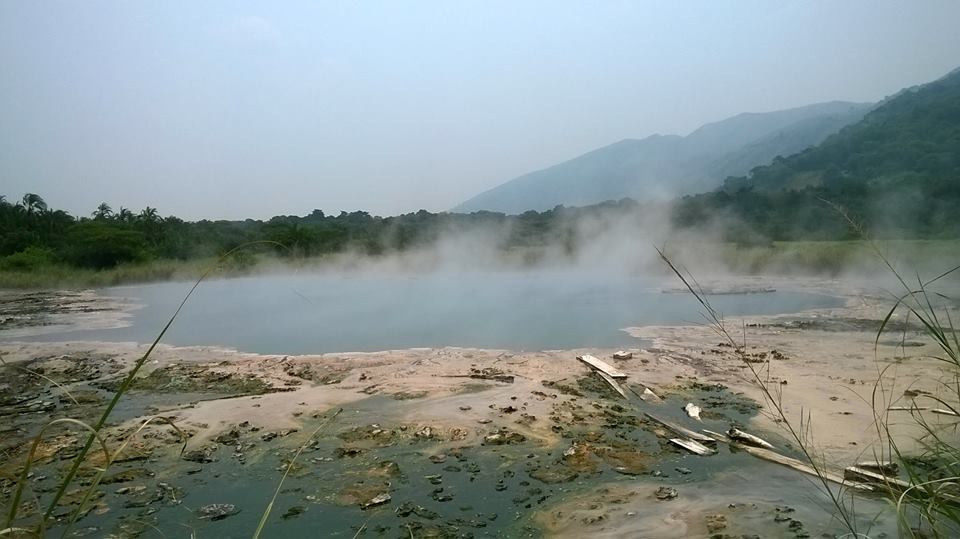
(316, 313)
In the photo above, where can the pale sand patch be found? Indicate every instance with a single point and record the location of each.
(830, 373)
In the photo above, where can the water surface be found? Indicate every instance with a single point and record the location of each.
(317, 313)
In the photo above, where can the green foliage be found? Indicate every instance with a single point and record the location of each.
(897, 172)
(99, 245)
(29, 259)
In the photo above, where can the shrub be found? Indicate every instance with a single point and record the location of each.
(28, 259)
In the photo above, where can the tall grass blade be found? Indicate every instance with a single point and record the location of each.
(266, 512)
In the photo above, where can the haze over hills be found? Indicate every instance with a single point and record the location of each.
(663, 166)
(896, 173)
(912, 135)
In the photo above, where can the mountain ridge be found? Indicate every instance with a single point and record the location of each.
(663, 166)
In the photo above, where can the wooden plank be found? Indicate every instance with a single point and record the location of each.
(885, 467)
(692, 446)
(749, 439)
(648, 395)
(854, 473)
(687, 433)
(602, 366)
(773, 456)
(613, 383)
(795, 464)
(717, 436)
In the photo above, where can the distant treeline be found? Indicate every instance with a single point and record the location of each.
(32, 235)
(909, 208)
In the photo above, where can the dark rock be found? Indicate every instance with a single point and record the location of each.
(409, 508)
(198, 455)
(217, 511)
(293, 512)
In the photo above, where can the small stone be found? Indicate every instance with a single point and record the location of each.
(438, 459)
(666, 493)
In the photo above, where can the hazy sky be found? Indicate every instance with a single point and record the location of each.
(233, 109)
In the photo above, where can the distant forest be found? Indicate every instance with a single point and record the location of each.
(897, 172)
(32, 235)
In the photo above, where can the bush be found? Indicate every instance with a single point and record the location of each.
(28, 259)
(101, 245)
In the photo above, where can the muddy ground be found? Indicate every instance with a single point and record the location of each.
(459, 442)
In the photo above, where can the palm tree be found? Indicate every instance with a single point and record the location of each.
(103, 211)
(124, 215)
(149, 214)
(33, 203)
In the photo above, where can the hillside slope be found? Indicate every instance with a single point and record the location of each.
(659, 167)
(896, 173)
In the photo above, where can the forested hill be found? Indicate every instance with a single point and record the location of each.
(661, 167)
(897, 171)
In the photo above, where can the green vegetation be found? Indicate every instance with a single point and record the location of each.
(831, 257)
(928, 507)
(896, 172)
(40, 246)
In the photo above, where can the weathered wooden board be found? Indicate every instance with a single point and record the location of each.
(854, 473)
(793, 463)
(602, 366)
(649, 395)
(717, 436)
(749, 439)
(687, 433)
(800, 466)
(613, 383)
(692, 446)
(885, 467)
